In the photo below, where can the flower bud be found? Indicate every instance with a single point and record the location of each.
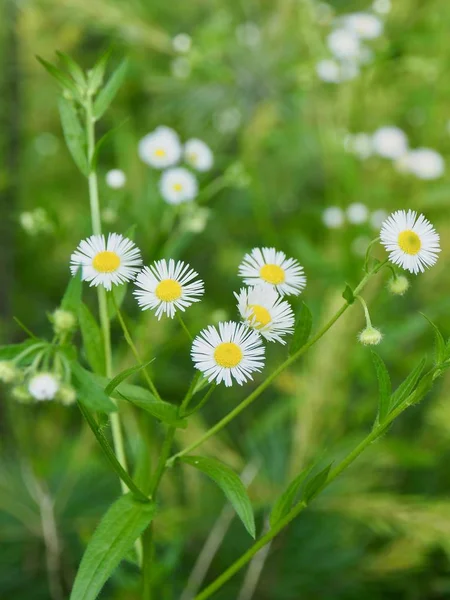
(9, 373)
(370, 336)
(20, 393)
(66, 395)
(63, 321)
(398, 285)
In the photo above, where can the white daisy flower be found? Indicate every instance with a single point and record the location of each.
(333, 217)
(364, 25)
(115, 179)
(182, 43)
(357, 213)
(390, 142)
(178, 185)
(267, 265)
(360, 144)
(411, 240)
(43, 386)
(382, 7)
(198, 155)
(233, 351)
(263, 310)
(106, 262)
(328, 70)
(344, 44)
(168, 286)
(160, 148)
(424, 163)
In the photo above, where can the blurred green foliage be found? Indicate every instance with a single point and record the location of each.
(382, 530)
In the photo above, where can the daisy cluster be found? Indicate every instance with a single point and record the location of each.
(162, 149)
(392, 143)
(357, 213)
(348, 44)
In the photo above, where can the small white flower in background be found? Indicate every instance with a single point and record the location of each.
(357, 213)
(248, 34)
(262, 309)
(377, 218)
(267, 265)
(382, 7)
(324, 13)
(228, 120)
(161, 148)
(180, 67)
(411, 240)
(178, 185)
(63, 321)
(106, 262)
(182, 43)
(390, 142)
(398, 285)
(343, 44)
(168, 286)
(424, 163)
(363, 25)
(329, 70)
(198, 155)
(370, 336)
(333, 217)
(36, 222)
(232, 352)
(43, 386)
(115, 179)
(360, 144)
(9, 373)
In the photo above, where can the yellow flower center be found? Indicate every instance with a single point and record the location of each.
(272, 274)
(106, 262)
(160, 152)
(260, 316)
(177, 187)
(193, 157)
(228, 355)
(168, 290)
(409, 242)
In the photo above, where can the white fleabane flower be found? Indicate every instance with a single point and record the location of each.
(43, 386)
(161, 148)
(357, 213)
(106, 262)
(377, 218)
(343, 44)
(232, 352)
(360, 144)
(390, 142)
(424, 163)
(168, 286)
(198, 155)
(262, 309)
(411, 240)
(364, 25)
(267, 265)
(329, 70)
(333, 217)
(382, 7)
(178, 185)
(115, 179)
(182, 43)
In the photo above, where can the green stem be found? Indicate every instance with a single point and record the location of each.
(366, 311)
(183, 325)
(161, 466)
(147, 559)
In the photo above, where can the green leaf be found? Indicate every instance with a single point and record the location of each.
(72, 296)
(73, 134)
(120, 527)
(348, 295)
(89, 392)
(284, 503)
(99, 145)
(97, 73)
(408, 385)
(441, 350)
(384, 387)
(12, 350)
(107, 94)
(163, 411)
(74, 69)
(92, 340)
(231, 485)
(62, 78)
(302, 329)
(124, 375)
(315, 484)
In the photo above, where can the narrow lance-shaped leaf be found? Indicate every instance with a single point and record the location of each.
(163, 411)
(284, 503)
(92, 340)
(89, 392)
(97, 72)
(120, 527)
(62, 78)
(13, 350)
(124, 375)
(314, 485)
(74, 69)
(72, 296)
(231, 485)
(73, 134)
(108, 92)
(440, 350)
(384, 387)
(302, 329)
(408, 385)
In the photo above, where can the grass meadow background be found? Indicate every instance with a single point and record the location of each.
(249, 88)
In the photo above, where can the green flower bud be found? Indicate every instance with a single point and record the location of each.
(9, 373)
(20, 393)
(63, 321)
(370, 336)
(67, 395)
(398, 285)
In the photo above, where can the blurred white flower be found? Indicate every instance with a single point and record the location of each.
(115, 179)
(178, 185)
(333, 217)
(343, 44)
(228, 120)
(424, 163)
(198, 155)
(390, 142)
(182, 43)
(161, 148)
(377, 218)
(357, 213)
(382, 7)
(324, 13)
(180, 67)
(43, 386)
(332, 71)
(360, 144)
(36, 222)
(364, 25)
(248, 34)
